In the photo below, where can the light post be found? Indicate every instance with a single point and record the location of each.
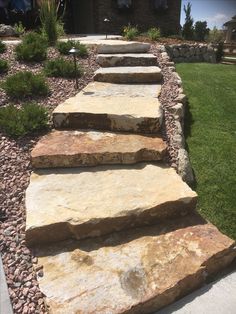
(106, 22)
(74, 52)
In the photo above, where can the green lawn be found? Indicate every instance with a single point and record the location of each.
(211, 139)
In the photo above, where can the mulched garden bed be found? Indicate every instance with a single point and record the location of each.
(20, 266)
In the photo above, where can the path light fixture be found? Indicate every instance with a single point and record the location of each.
(106, 22)
(74, 53)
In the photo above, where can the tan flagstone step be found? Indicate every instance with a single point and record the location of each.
(137, 74)
(118, 46)
(88, 202)
(133, 272)
(127, 59)
(124, 114)
(100, 89)
(92, 148)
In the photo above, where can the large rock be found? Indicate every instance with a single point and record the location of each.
(123, 47)
(81, 148)
(151, 74)
(128, 114)
(100, 89)
(127, 59)
(132, 272)
(88, 202)
(7, 30)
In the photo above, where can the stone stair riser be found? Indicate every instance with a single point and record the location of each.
(130, 47)
(123, 60)
(128, 78)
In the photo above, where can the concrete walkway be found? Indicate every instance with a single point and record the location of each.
(216, 298)
(5, 303)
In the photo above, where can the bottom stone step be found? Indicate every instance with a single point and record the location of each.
(134, 272)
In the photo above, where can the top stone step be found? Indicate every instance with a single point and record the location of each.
(124, 47)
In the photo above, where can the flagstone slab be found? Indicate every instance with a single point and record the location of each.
(132, 272)
(100, 89)
(127, 59)
(119, 46)
(137, 74)
(124, 114)
(91, 148)
(88, 202)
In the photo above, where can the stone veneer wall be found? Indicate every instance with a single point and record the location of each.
(143, 15)
(191, 53)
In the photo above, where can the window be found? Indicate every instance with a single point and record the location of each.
(124, 4)
(160, 4)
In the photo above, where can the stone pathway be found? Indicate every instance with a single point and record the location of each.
(113, 226)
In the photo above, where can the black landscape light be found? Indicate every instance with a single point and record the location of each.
(106, 22)
(74, 52)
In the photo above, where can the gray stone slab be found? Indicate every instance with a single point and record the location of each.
(216, 298)
(127, 59)
(137, 74)
(121, 46)
(5, 303)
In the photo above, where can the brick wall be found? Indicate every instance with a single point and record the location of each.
(143, 15)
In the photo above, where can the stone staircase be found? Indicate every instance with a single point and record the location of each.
(113, 226)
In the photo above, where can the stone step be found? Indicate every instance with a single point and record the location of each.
(128, 59)
(138, 74)
(124, 47)
(134, 272)
(124, 114)
(88, 202)
(81, 148)
(100, 89)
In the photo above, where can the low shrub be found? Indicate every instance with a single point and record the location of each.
(154, 33)
(3, 66)
(220, 52)
(61, 68)
(32, 48)
(23, 84)
(19, 28)
(65, 46)
(130, 32)
(18, 122)
(3, 47)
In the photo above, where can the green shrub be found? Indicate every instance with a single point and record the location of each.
(154, 33)
(17, 122)
(50, 23)
(19, 28)
(215, 36)
(61, 68)
(65, 46)
(3, 47)
(130, 32)
(220, 51)
(3, 66)
(23, 84)
(32, 48)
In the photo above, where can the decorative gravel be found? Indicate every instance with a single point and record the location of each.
(19, 264)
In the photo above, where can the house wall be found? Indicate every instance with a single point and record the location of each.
(143, 15)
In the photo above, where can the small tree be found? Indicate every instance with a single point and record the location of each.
(188, 30)
(200, 30)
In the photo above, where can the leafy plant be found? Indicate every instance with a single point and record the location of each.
(61, 68)
(130, 32)
(220, 52)
(23, 84)
(215, 36)
(17, 122)
(154, 33)
(200, 30)
(51, 26)
(32, 48)
(19, 28)
(65, 46)
(3, 66)
(3, 47)
(188, 30)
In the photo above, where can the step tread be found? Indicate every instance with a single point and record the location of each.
(91, 148)
(84, 202)
(124, 47)
(102, 89)
(135, 271)
(128, 114)
(126, 74)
